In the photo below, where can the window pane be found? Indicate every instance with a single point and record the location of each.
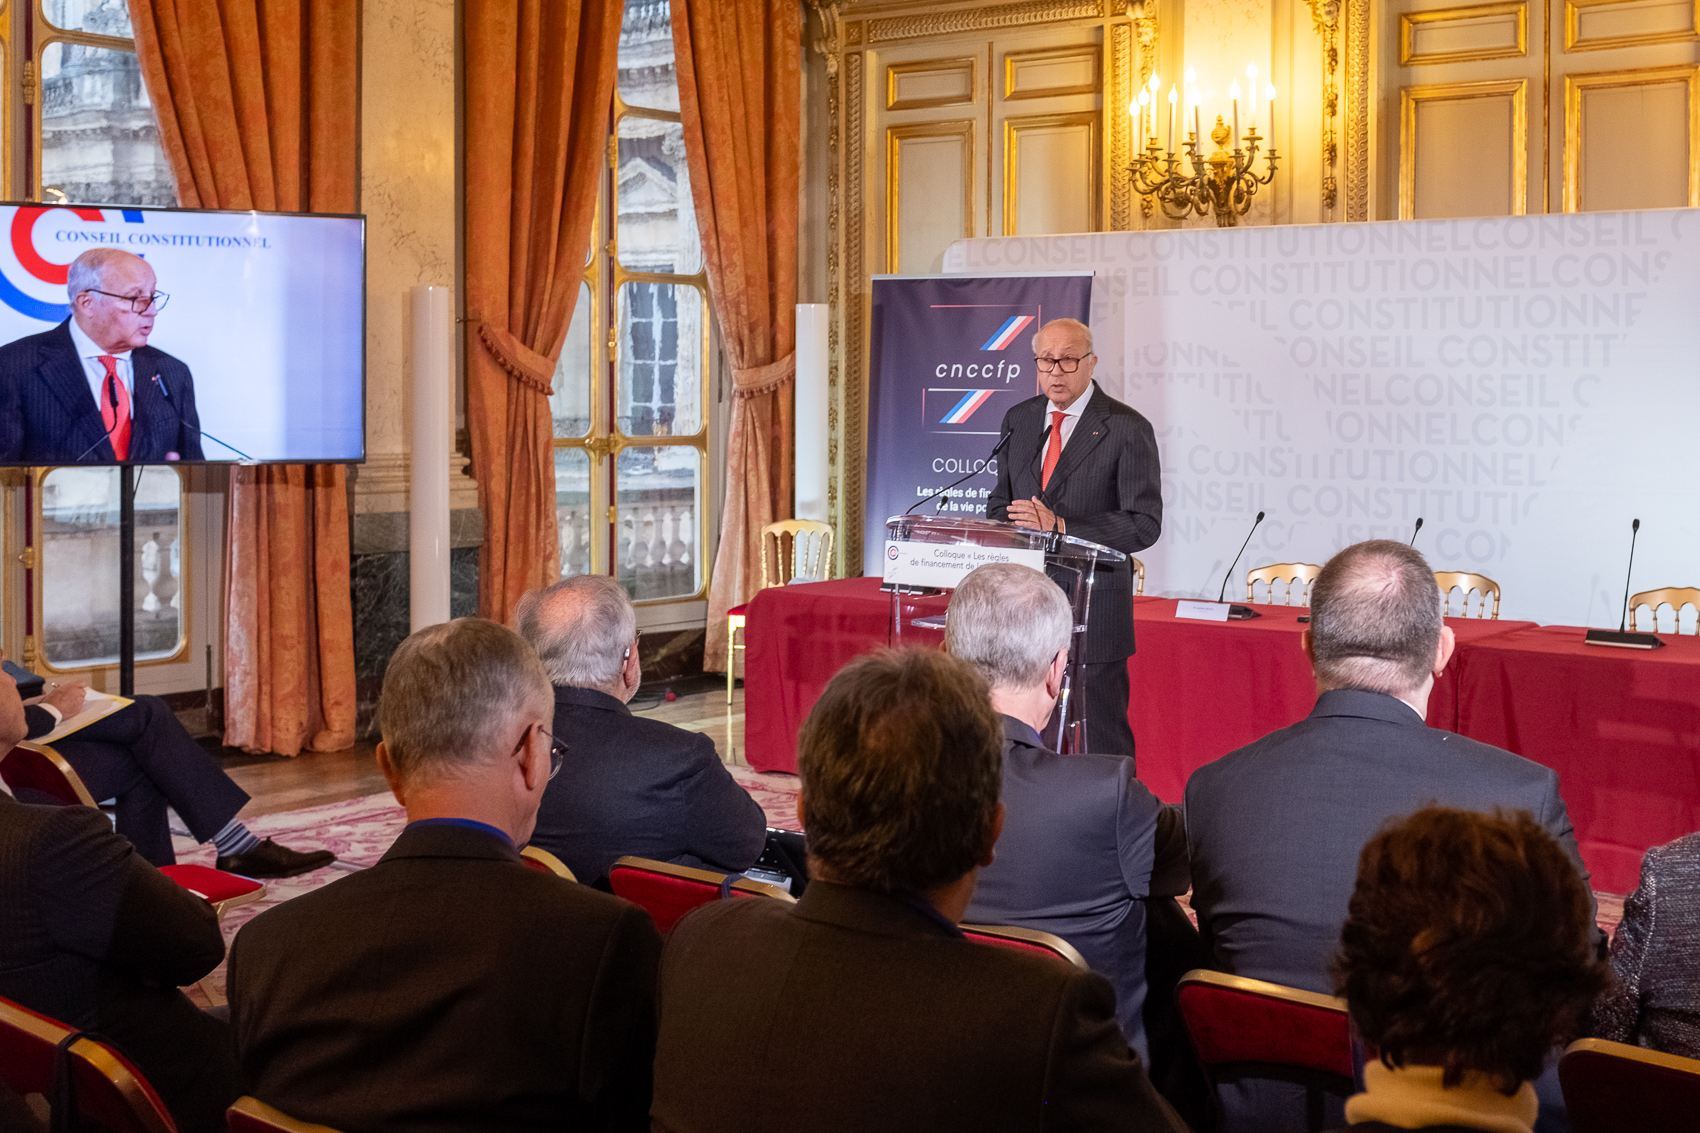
(656, 222)
(572, 508)
(99, 142)
(102, 17)
(645, 66)
(79, 565)
(660, 379)
(570, 403)
(658, 492)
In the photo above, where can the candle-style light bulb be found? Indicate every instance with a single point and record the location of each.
(1172, 117)
(1251, 73)
(1191, 76)
(1234, 98)
(1234, 89)
(1156, 84)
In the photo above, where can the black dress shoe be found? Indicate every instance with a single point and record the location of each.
(268, 859)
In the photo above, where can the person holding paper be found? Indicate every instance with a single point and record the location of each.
(144, 757)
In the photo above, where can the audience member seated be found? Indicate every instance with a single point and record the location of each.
(1656, 955)
(1083, 840)
(449, 987)
(630, 785)
(142, 756)
(861, 1006)
(100, 940)
(1274, 829)
(1466, 958)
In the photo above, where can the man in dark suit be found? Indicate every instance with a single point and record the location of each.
(100, 940)
(92, 389)
(862, 1006)
(630, 785)
(1084, 843)
(449, 987)
(1274, 829)
(1082, 463)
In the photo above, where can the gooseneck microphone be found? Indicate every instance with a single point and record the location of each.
(997, 448)
(1620, 638)
(1223, 593)
(112, 396)
(181, 423)
(1416, 529)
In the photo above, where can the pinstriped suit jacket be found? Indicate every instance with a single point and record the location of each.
(1107, 489)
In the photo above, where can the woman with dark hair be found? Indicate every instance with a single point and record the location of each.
(1465, 959)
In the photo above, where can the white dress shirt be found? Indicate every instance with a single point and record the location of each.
(89, 352)
(1071, 415)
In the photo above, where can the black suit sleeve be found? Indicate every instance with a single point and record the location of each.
(115, 907)
(729, 828)
(1093, 1080)
(39, 720)
(1138, 519)
(618, 1069)
(997, 504)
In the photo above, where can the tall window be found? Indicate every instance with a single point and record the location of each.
(630, 404)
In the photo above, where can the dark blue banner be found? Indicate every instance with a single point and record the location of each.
(950, 355)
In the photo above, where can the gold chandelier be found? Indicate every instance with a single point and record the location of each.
(1221, 185)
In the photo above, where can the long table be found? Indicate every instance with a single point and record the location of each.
(1622, 728)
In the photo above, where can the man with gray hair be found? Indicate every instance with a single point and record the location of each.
(631, 785)
(1084, 843)
(92, 389)
(1274, 829)
(449, 986)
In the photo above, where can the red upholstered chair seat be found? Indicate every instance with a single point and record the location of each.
(1613, 1086)
(40, 768)
(215, 885)
(1045, 944)
(738, 611)
(668, 892)
(110, 1091)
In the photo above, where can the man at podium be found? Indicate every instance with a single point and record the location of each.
(1082, 463)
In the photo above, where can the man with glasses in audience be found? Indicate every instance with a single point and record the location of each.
(449, 986)
(1082, 463)
(633, 785)
(92, 389)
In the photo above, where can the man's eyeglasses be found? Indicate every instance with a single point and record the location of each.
(557, 753)
(1061, 365)
(139, 304)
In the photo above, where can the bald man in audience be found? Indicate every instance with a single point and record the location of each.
(449, 987)
(1083, 841)
(630, 785)
(1274, 829)
(862, 1006)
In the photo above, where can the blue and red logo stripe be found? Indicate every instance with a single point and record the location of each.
(965, 408)
(1012, 326)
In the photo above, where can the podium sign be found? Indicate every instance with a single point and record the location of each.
(943, 565)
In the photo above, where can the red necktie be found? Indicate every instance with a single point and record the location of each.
(117, 418)
(1053, 451)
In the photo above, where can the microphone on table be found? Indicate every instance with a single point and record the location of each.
(1416, 529)
(997, 448)
(181, 423)
(1618, 637)
(1239, 611)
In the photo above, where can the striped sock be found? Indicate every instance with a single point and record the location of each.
(234, 839)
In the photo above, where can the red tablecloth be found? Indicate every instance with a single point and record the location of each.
(1621, 727)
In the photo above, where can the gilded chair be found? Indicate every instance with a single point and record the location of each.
(1468, 582)
(251, 1115)
(1138, 576)
(810, 557)
(1613, 1086)
(541, 860)
(1674, 596)
(110, 1092)
(1297, 576)
(1025, 940)
(667, 892)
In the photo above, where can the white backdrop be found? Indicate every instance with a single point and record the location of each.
(1526, 385)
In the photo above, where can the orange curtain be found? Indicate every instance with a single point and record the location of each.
(738, 94)
(539, 84)
(256, 102)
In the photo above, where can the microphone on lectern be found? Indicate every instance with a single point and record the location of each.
(1416, 529)
(972, 471)
(1618, 637)
(1221, 594)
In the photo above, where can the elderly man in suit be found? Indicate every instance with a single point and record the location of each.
(100, 940)
(1274, 829)
(630, 785)
(1082, 463)
(450, 987)
(92, 389)
(862, 1006)
(1083, 841)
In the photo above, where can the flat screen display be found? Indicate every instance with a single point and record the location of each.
(193, 336)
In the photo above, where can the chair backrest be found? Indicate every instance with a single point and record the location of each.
(1479, 584)
(1297, 576)
(1025, 940)
(1614, 1086)
(1241, 1025)
(38, 767)
(668, 892)
(536, 857)
(1675, 596)
(810, 547)
(109, 1091)
(251, 1115)
(1138, 576)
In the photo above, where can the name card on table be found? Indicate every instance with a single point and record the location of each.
(1203, 611)
(944, 565)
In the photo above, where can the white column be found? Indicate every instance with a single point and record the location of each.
(810, 419)
(433, 441)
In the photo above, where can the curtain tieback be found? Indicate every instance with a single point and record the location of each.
(523, 364)
(763, 379)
